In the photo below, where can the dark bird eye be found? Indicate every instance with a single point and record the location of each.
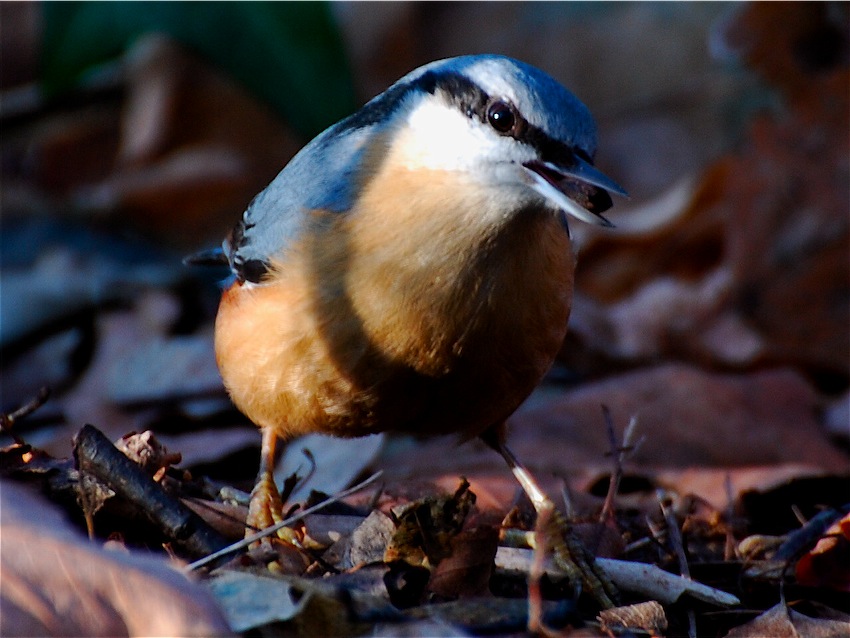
(501, 116)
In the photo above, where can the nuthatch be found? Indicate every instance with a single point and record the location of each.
(410, 269)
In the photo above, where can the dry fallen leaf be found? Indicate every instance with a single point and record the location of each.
(828, 563)
(57, 583)
(781, 621)
(250, 600)
(466, 571)
(368, 542)
(194, 147)
(688, 417)
(425, 528)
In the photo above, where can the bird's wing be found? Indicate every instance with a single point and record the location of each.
(325, 175)
(322, 176)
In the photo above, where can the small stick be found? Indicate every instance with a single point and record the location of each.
(618, 452)
(674, 535)
(7, 421)
(96, 455)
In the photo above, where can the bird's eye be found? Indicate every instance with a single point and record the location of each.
(501, 116)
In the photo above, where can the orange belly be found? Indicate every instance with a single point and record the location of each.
(428, 331)
(298, 364)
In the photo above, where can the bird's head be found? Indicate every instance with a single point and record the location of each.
(507, 125)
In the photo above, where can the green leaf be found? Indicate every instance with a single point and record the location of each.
(288, 53)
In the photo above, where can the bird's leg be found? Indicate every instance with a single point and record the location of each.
(265, 508)
(553, 531)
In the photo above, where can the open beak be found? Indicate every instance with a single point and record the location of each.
(579, 189)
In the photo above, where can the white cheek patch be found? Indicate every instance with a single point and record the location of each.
(437, 136)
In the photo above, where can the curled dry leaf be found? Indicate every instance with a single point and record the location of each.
(425, 528)
(147, 452)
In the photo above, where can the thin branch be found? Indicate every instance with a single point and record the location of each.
(674, 535)
(618, 453)
(7, 421)
(97, 456)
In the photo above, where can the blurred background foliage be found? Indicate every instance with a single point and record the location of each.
(288, 53)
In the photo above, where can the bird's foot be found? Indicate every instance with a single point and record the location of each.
(552, 532)
(266, 510)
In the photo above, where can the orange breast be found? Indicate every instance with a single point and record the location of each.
(400, 315)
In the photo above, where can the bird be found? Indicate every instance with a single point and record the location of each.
(410, 270)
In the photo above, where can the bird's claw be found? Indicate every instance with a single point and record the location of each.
(266, 509)
(573, 558)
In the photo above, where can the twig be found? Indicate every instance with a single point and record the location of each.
(245, 542)
(7, 421)
(618, 453)
(96, 455)
(730, 547)
(674, 535)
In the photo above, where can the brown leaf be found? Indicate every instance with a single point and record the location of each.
(718, 485)
(828, 564)
(425, 528)
(648, 617)
(764, 236)
(56, 583)
(194, 147)
(687, 416)
(782, 622)
(466, 571)
(788, 44)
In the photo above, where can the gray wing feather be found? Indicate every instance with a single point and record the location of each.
(321, 176)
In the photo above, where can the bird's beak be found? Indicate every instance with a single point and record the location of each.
(578, 189)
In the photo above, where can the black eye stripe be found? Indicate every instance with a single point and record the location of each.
(472, 100)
